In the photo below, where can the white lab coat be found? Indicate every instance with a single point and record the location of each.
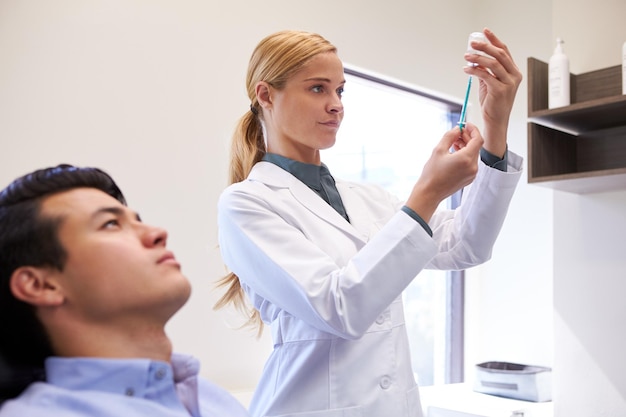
(331, 289)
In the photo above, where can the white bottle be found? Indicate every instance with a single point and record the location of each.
(476, 36)
(558, 78)
(624, 68)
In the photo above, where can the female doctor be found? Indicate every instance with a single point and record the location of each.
(326, 270)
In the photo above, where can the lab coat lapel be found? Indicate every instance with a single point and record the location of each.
(360, 219)
(277, 177)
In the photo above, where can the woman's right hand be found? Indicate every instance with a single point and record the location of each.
(447, 172)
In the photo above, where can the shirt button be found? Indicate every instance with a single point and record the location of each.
(380, 319)
(129, 392)
(385, 382)
(160, 373)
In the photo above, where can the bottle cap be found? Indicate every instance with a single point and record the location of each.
(476, 36)
(559, 48)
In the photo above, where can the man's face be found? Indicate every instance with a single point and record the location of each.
(118, 269)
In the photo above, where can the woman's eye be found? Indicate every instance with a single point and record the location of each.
(317, 89)
(340, 91)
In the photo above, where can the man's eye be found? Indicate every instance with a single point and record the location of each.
(110, 223)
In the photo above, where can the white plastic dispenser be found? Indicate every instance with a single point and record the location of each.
(558, 78)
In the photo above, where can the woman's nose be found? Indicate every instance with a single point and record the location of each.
(336, 106)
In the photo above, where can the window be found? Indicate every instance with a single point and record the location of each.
(387, 135)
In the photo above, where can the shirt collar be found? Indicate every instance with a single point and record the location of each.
(142, 378)
(309, 174)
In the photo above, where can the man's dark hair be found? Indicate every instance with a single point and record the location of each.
(29, 239)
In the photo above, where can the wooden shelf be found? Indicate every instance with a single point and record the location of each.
(584, 117)
(579, 148)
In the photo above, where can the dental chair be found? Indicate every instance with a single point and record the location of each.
(14, 380)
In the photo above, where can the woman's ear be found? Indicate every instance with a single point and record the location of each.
(263, 94)
(36, 286)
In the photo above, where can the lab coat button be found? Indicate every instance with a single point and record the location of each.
(385, 382)
(380, 319)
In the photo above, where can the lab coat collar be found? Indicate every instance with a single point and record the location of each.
(276, 177)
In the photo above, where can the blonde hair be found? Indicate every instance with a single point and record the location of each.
(274, 60)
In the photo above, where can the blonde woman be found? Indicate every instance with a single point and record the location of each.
(324, 263)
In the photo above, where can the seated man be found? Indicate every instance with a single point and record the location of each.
(86, 289)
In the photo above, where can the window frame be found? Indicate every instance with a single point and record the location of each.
(455, 280)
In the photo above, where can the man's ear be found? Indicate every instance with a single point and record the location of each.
(263, 94)
(36, 286)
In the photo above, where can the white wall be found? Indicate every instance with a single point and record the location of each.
(151, 89)
(589, 230)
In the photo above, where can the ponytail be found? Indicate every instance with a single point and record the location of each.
(248, 147)
(234, 294)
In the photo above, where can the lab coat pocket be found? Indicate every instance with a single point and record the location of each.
(337, 412)
(414, 404)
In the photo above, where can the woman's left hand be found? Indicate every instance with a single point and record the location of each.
(499, 80)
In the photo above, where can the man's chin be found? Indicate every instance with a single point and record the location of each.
(179, 296)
